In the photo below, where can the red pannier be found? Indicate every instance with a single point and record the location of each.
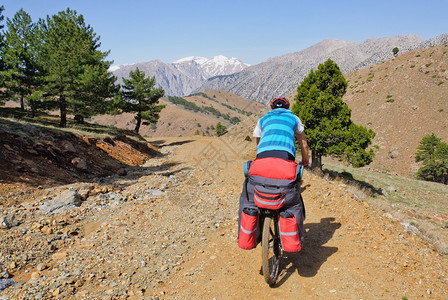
(270, 200)
(274, 182)
(274, 168)
(248, 228)
(289, 232)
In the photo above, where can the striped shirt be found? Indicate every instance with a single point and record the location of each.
(276, 131)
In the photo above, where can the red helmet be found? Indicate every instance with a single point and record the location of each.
(280, 103)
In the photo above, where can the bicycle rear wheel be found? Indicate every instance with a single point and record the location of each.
(270, 250)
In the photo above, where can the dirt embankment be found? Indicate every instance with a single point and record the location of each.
(35, 156)
(167, 229)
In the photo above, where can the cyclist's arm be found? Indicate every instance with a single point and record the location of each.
(303, 147)
(257, 133)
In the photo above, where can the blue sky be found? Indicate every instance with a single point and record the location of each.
(253, 31)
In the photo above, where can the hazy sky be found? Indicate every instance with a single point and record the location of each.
(253, 30)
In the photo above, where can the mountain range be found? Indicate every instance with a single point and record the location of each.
(281, 75)
(278, 76)
(183, 76)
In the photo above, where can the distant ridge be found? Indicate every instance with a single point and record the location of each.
(280, 76)
(181, 77)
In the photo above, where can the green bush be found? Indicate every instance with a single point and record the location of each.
(220, 129)
(433, 153)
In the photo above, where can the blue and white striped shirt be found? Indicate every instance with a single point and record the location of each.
(276, 131)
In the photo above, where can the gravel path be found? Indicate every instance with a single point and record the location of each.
(168, 230)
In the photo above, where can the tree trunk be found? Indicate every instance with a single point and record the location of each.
(63, 111)
(22, 103)
(137, 126)
(316, 161)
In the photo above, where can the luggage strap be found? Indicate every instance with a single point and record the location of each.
(266, 185)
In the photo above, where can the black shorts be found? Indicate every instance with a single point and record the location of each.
(278, 154)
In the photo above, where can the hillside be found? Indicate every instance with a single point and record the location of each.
(402, 100)
(35, 153)
(196, 114)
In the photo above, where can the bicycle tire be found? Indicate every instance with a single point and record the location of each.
(270, 250)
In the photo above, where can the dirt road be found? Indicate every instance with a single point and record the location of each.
(168, 230)
(350, 252)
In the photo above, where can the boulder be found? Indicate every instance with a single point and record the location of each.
(79, 163)
(4, 283)
(68, 199)
(68, 147)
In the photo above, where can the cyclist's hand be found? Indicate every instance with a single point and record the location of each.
(304, 162)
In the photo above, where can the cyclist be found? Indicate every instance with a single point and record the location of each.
(275, 133)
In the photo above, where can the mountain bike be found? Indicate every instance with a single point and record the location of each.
(272, 250)
(271, 245)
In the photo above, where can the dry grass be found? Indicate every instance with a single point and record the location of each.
(420, 206)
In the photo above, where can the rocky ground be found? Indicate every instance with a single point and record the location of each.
(168, 228)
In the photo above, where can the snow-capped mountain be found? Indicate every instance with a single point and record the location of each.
(183, 76)
(217, 65)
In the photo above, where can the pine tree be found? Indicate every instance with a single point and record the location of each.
(433, 153)
(220, 129)
(94, 91)
(140, 96)
(73, 66)
(395, 51)
(19, 55)
(329, 130)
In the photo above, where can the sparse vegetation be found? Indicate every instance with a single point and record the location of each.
(248, 138)
(243, 112)
(186, 104)
(433, 153)
(395, 51)
(220, 129)
(384, 191)
(204, 109)
(391, 100)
